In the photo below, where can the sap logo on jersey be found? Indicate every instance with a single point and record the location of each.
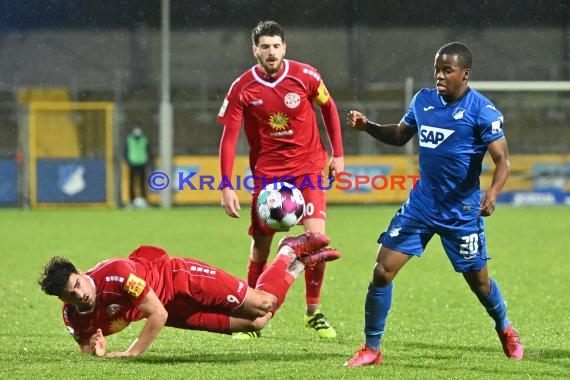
(431, 137)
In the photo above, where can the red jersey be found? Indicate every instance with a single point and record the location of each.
(120, 287)
(184, 286)
(279, 120)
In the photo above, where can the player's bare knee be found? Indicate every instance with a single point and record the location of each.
(480, 290)
(381, 277)
(479, 284)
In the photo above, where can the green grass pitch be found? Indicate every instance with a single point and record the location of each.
(436, 329)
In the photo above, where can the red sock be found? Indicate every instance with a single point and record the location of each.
(254, 270)
(313, 282)
(276, 280)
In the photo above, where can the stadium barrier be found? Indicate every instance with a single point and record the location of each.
(535, 179)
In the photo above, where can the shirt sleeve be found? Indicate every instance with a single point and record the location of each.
(409, 118)
(231, 117)
(227, 151)
(332, 124)
(134, 286)
(231, 111)
(81, 337)
(319, 93)
(126, 278)
(490, 124)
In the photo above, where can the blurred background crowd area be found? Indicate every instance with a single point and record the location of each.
(111, 51)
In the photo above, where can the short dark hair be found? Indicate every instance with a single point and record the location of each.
(266, 28)
(462, 51)
(55, 276)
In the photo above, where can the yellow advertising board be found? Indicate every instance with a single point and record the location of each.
(532, 172)
(196, 180)
(367, 179)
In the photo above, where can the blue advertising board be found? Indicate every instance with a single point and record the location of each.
(8, 181)
(71, 181)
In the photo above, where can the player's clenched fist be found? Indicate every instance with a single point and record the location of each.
(357, 120)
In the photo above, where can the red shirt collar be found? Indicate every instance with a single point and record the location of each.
(270, 78)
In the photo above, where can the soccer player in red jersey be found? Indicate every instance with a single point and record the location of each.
(274, 103)
(172, 291)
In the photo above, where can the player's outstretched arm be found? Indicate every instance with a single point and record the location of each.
(357, 120)
(392, 134)
(156, 316)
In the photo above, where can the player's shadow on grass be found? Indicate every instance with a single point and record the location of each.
(440, 353)
(433, 348)
(547, 353)
(530, 353)
(233, 358)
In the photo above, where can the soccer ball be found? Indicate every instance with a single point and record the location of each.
(140, 202)
(280, 206)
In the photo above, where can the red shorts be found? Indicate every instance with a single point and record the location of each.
(204, 296)
(311, 186)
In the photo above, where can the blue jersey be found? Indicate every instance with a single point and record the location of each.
(453, 139)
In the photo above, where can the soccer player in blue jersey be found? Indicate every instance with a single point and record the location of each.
(456, 125)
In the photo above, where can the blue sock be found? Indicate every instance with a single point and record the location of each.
(496, 307)
(377, 306)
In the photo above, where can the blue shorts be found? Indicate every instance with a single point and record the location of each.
(463, 239)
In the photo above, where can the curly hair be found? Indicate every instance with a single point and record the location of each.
(55, 275)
